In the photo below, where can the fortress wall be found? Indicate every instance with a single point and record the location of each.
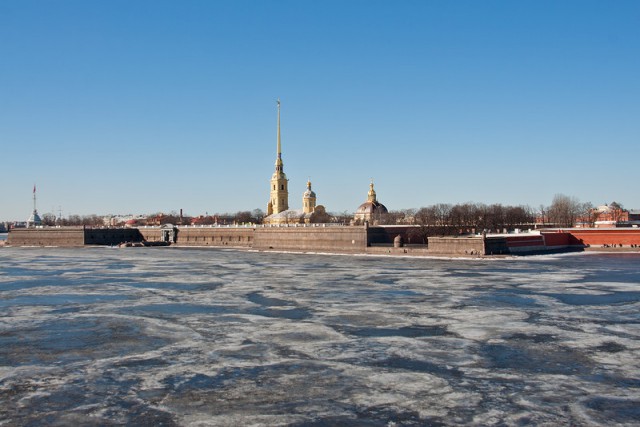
(457, 245)
(330, 239)
(326, 239)
(528, 243)
(111, 236)
(410, 250)
(496, 246)
(150, 234)
(378, 236)
(49, 236)
(383, 234)
(558, 239)
(600, 237)
(525, 240)
(215, 236)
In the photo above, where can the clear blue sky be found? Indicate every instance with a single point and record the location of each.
(145, 106)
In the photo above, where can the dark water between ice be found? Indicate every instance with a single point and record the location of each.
(166, 336)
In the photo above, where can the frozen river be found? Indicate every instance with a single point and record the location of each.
(167, 336)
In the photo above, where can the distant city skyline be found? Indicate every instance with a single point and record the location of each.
(140, 107)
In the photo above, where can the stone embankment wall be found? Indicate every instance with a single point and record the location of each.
(72, 236)
(385, 234)
(151, 234)
(203, 236)
(67, 236)
(310, 238)
(313, 239)
(300, 238)
(318, 238)
(457, 245)
(111, 236)
(215, 236)
(409, 250)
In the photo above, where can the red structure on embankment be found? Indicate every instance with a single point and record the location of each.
(573, 239)
(593, 237)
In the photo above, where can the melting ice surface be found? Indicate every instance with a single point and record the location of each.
(166, 336)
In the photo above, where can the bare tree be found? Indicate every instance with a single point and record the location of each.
(462, 215)
(390, 218)
(616, 205)
(242, 217)
(517, 216)
(257, 216)
(343, 217)
(73, 220)
(543, 211)
(48, 219)
(442, 212)
(588, 215)
(425, 219)
(617, 211)
(483, 217)
(92, 220)
(409, 216)
(564, 210)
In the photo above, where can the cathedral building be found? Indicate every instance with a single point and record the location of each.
(279, 201)
(278, 211)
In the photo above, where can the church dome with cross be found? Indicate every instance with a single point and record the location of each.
(369, 209)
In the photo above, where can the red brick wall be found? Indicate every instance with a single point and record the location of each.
(560, 239)
(524, 241)
(599, 237)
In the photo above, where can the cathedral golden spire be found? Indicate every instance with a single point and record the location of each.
(279, 165)
(372, 193)
(279, 199)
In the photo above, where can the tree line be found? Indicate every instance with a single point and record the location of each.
(452, 219)
(449, 219)
(436, 219)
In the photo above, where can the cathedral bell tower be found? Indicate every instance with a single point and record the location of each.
(308, 200)
(279, 183)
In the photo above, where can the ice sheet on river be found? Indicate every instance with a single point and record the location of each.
(211, 337)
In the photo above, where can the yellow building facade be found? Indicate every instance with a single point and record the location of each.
(309, 200)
